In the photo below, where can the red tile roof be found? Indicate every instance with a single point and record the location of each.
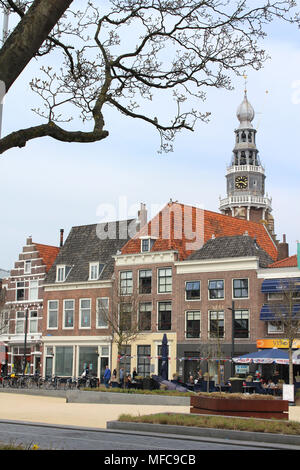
(186, 228)
(48, 254)
(290, 262)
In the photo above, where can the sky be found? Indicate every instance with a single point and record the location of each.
(49, 185)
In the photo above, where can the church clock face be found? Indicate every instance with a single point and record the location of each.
(241, 182)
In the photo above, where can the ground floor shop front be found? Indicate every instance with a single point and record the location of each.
(70, 356)
(195, 357)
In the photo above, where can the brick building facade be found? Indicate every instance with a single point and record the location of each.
(78, 298)
(23, 310)
(172, 254)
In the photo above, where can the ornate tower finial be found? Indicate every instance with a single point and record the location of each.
(246, 197)
(246, 83)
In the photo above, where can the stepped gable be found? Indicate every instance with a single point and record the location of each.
(232, 247)
(175, 226)
(47, 253)
(290, 262)
(83, 245)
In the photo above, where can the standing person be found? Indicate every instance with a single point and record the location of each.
(106, 376)
(134, 373)
(121, 375)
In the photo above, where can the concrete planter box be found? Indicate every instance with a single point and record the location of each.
(77, 396)
(240, 407)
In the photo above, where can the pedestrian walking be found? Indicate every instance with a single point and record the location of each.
(106, 376)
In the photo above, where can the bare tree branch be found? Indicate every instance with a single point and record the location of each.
(127, 53)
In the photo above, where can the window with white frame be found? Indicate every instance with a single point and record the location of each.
(146, 244)
(164, 316)
(20, 322)
(192, 324)
(275, 296)
(145, 314)
(125, 316)
(85, 313)
(241, 323)
(27, 266)
(164, 280)
(4, 321)
(145, 281)
(192, 290)
(33, 290)
(94, 271)
(240, 288)
(62, 272)
(33, 321)
(20, 291)
(126, 283)
(68, 313)
(216, 289)
(275, 327)
(102, 312)
(52, 314)
(216, 324)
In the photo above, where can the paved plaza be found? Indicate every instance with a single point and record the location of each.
(55, 410)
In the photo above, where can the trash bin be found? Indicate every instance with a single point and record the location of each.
(236, 385)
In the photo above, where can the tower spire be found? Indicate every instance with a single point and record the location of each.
(245, 176)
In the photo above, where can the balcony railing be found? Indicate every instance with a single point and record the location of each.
(245, 168)
(246, 200)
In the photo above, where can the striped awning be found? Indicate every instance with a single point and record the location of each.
(268, 313)
(279, 285)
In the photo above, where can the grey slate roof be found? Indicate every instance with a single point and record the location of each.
(83, 245)
(232, 247)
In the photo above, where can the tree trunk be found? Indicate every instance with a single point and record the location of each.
(291, 369)
(28, 36)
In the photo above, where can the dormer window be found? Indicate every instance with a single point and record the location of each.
(146, 244)
(95, 271)
(62, 272)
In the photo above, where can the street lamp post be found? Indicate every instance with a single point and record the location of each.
(25, 340)
(232, 337)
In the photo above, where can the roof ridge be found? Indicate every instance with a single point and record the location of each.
(105, 222)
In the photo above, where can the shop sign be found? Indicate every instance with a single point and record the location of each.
(276, 343)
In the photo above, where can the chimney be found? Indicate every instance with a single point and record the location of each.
(283, 249)
(142, 217)
(61, 237)
(29, 240)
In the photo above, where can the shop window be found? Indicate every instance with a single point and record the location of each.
(143, 362)
(64, 361)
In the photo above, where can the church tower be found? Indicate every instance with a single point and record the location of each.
(246, 176)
